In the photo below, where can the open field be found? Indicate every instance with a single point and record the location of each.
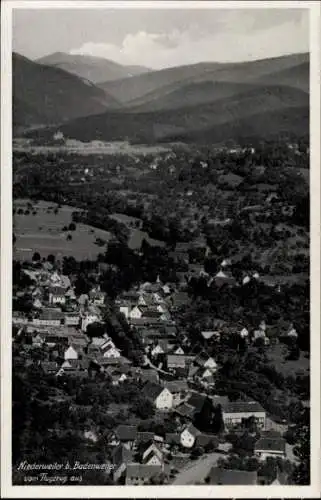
(277, 354)
(136, 235)
(42, 232)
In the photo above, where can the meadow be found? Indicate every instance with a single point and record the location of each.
(41, 230)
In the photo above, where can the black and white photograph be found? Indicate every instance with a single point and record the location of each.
(159, 327)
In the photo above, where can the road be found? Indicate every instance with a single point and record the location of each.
(197, 470)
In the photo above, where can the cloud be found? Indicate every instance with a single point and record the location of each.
(236, 36)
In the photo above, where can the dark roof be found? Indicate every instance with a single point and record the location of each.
(149, 375)
(205, 439)
(270, 444)
(197, 401)
(121, 455)
(185, 410)
(220, 476)
(152, 390)
(126, 432)
(142, 471)
(51, 314)
(145, 437)
(176, 360)
(149, 456)
(57, 290)
(49, 366)
(243, 407)
(176, 385)
(172, 438)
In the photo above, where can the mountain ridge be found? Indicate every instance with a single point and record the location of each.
(95, 69)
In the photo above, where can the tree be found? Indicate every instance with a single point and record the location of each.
(72, 226)
(51, 258)
(217, 421)
(143, 408)
(36, 257)
(69, 237)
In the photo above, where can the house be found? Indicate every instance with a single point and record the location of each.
(149, 375)
(126, 435)
(118, 378)
(121, 456)
(159, 396)
(57, 295)
(205, 361)
(179, 389)
(49, 317)
(152, 455)
(111, 352)
(188, 436)
(234, 413)
(37, 304)
(244, 333)
(38, 340)
(71, 353)
(74, 367)
(179, 299)
(137, 312)
(219, 476)
(224, 278)
(50, 367)
(139, 474)
(205, 440)
(208, 334)
(97, 297)
(89, 318)
(72, 318)
(157, 350)
(172, 439)
(270, 447)
(175, 361)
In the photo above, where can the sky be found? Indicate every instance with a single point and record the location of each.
(159, 38)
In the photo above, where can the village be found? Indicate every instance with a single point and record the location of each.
(66, 335)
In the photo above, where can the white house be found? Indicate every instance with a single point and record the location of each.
(136, 313)
(71, 353)
(157, 350)
(97, 297)
(179, 350)
(244, 333)
(72, 318)
(111, 352)
(125, 311)
(88, 319)
(188, 436)
(57, 295)
(155, 450)
(235, 412)
(160, 396)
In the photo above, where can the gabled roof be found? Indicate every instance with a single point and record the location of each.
(145, 437)
(175, 386)
(176, 359)
(196, 401)
(152, 390)
(243, 407)
(126, 432)
(150, 455)
(207, 334)
(57, 290)
(205, 439)
(121, 455)
(270, 444)
(172, 438)
(142, 471)
(232, 477)
(192, 430)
